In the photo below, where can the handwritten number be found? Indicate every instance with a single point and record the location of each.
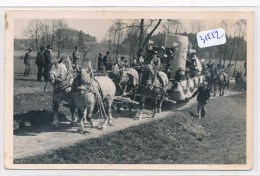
(211, 35)
(202, 39)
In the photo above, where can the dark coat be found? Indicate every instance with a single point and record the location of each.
(75, 57)
(203, 94)
(47, 57)
(40, 60)
(107, 62)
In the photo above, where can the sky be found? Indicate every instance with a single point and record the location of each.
(99, 27)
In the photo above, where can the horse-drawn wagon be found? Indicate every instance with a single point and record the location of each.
(181, 83)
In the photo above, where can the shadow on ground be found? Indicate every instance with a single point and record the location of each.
(34, 122)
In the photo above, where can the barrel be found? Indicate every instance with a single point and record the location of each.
(181, 55)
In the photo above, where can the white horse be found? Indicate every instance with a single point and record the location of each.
(88, 92)
(61, 76)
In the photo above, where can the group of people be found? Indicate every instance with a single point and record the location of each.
(104, 63)
(43, 61)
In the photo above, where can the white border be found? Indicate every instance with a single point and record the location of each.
(256, 168)
(128, 3)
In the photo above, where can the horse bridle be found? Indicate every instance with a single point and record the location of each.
(62, 83)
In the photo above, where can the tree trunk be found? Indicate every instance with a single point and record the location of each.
(225, 50)
(238, 41)
(232, 51)
(141, 38)
(150, 34)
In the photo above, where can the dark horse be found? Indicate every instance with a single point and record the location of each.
(153, 85)
(126, 81)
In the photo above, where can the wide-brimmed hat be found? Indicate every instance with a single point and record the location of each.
(100, 53)
(108, 52)
(42, 48)
(29, 49)
(48, 47)
(76, 47)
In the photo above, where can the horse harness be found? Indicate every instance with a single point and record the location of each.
(63, 83)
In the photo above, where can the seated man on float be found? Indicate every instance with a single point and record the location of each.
(180, 75)
(155, 62)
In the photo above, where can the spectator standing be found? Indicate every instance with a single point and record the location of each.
(100, 63)
(47, 62)
(27, 62)
(40, 62)
(107, 61)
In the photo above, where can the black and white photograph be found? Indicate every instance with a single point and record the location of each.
(129, 89)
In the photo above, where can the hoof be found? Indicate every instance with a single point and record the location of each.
(103, 127)
(154, 115)
(92, 124)
(110, 123)
(80, 131)
(54, 126)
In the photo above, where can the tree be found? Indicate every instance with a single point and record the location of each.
(81, 43)
(241, 25)
(226, 27)
(33, 31)
(143, 43)
(171, 26)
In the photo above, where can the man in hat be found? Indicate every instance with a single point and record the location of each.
(27, 62)
(203, 96)
(180, 74)
(100, 63)
(75, 56)
(47, 62)
(107, 61)
(40, 62)
(155, 62)
(122, 63)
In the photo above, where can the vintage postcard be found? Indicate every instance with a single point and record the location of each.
(160, 89)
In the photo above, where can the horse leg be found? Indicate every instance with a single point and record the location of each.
(118, 108)
(109, 111)
(210, 86)
(81, 113)
(55, 108)
(220, 89)
(214, 87)
(141, 107)
(89, 116)
(223, 89)
(160, 104)
(72, 111)
(155, 107)
(124, 91)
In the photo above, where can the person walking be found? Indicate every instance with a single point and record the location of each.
(203, 96)
(27, 62)
(40, 62)
(47, 62)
